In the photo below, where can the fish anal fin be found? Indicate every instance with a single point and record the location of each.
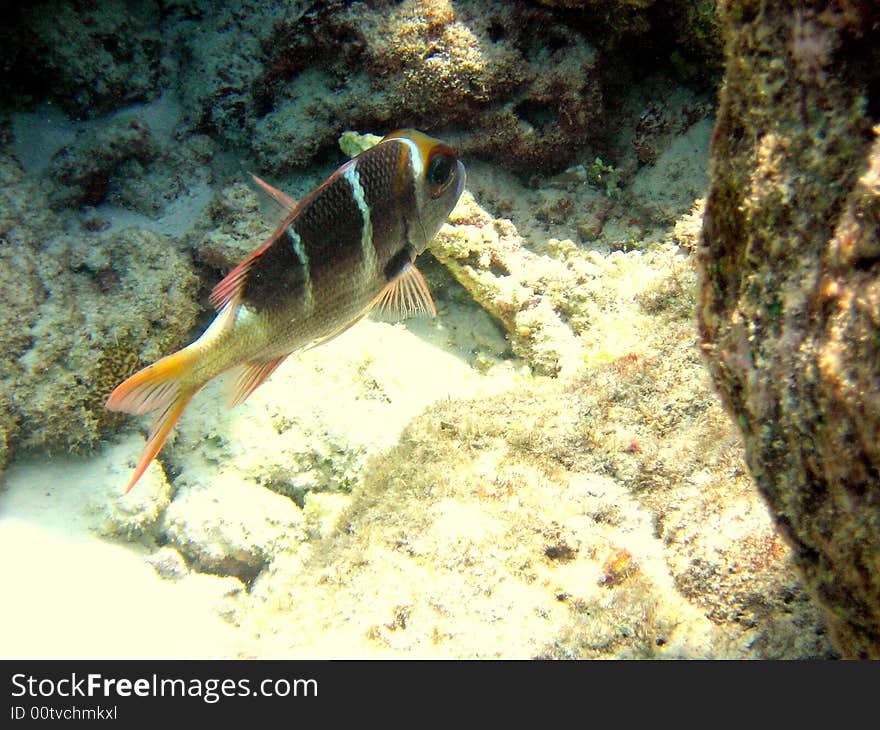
(249, 378)
(406, 295)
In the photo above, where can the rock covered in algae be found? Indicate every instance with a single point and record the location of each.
(168, 563)
(285, 81)
(84, 170)
(76, 318)
(789, 308)
(693, 24)
(88, 57)
(487, 256)
(123, 161)
(234, 528)
(136, 515)
(352, 143)
(559, 307)
(230, 227)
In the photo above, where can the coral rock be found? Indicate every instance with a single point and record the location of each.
(789, 306)
(64, 352)
(233, 528)
(231, 227)
(89, 57)
(135, 515)
(168, 563)
(524, 85)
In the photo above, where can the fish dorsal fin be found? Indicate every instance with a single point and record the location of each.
(249, 378)
(406, 295)
(287, 204)
(229, 288)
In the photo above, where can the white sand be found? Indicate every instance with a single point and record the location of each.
(68, 593)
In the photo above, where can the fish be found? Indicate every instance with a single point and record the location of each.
(346, 248)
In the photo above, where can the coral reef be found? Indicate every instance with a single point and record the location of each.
(551, 304)
(121, 161)
(89, 58)
(676, 175)
(522, 84)
(230, 227)
(487, 257)
(789, 313)
(604, 513)
(168, 563)
(84, 170)
(23, 290)
(545, 473)
(687, 30)
(134, 517)
(198, 523)
(76, 318)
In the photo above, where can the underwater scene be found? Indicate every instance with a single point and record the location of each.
(518, 329)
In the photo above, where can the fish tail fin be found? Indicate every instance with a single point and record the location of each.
(159, 432)
(161, 387)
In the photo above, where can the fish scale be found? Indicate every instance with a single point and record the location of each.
(348, 246)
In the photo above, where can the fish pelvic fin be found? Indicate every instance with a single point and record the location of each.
(158, 387)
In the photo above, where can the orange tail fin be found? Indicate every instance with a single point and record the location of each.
(156, 387)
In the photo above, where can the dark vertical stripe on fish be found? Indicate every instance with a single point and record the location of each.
(330, 228)
(280, 270)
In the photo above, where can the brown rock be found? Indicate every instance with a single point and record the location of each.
(790, 292)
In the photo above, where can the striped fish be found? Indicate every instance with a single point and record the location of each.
(345, 248)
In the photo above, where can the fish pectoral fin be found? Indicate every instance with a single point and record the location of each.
(286, 203)
(406, 295)
(250, 377)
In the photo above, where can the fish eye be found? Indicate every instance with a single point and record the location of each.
(440, 171)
